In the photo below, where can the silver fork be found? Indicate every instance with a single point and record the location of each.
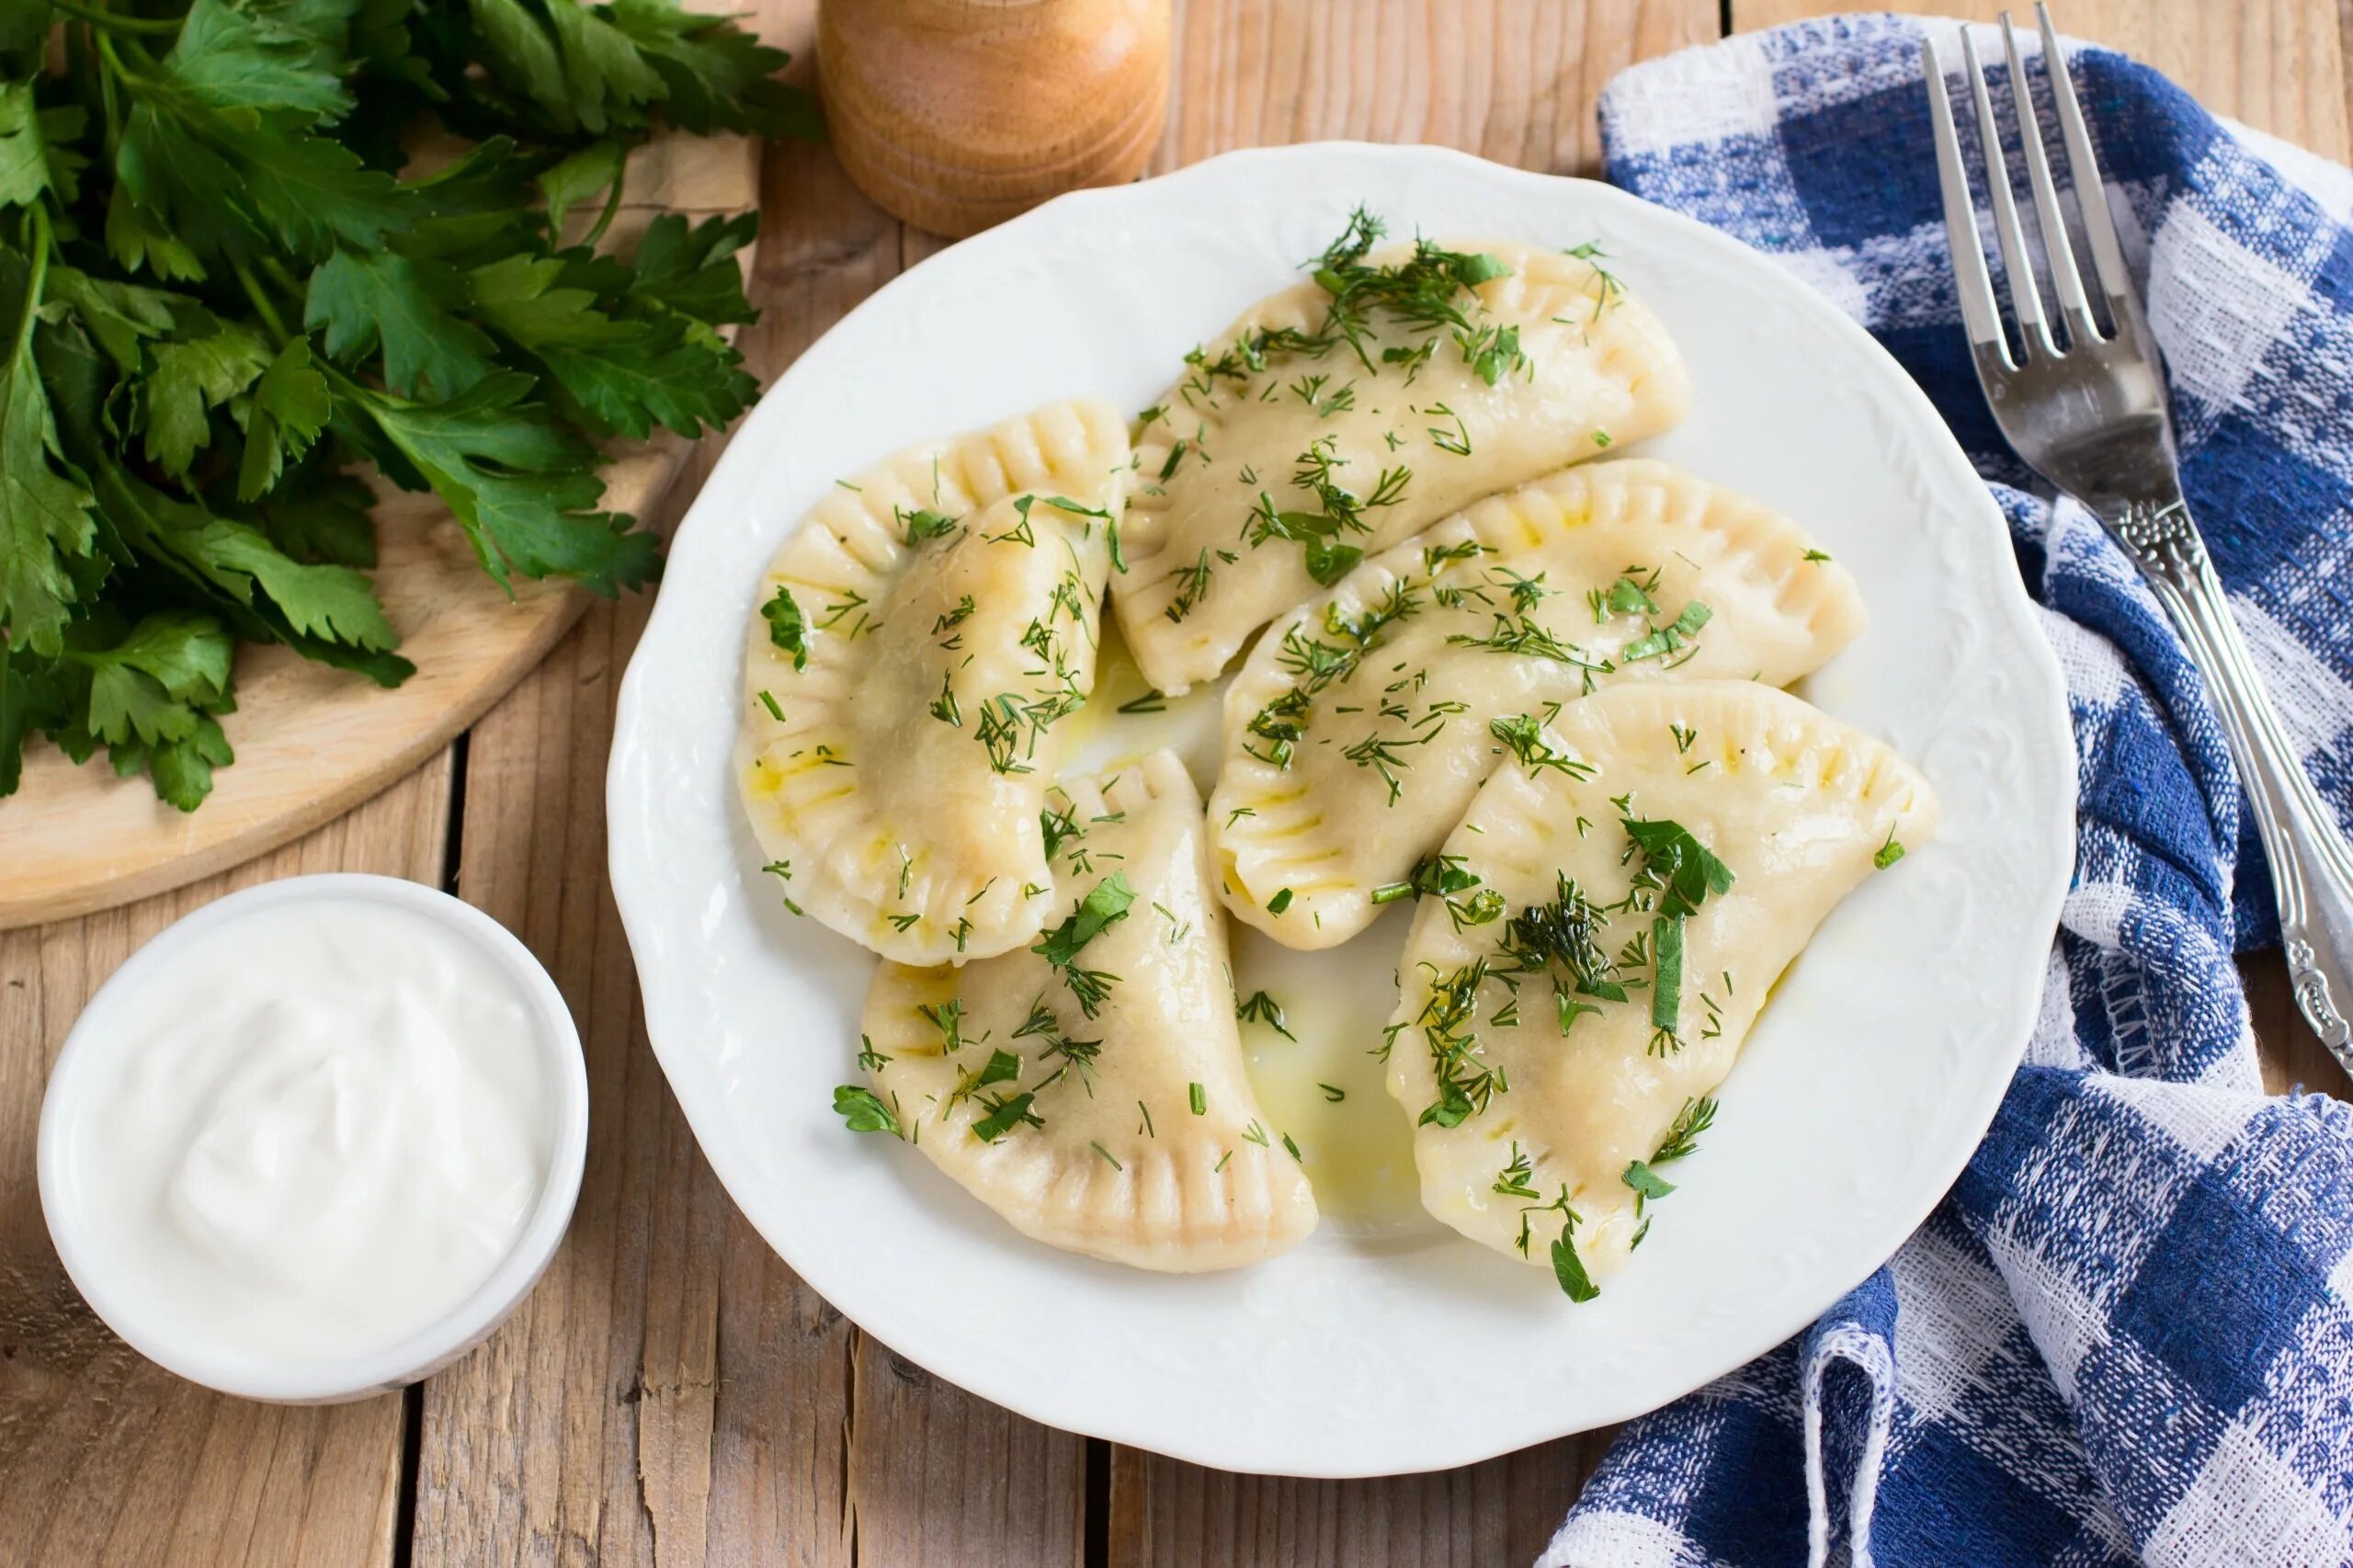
(2085, 409)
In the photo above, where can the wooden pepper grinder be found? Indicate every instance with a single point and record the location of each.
(957, 114)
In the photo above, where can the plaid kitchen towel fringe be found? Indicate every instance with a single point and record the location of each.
(2127, 1333)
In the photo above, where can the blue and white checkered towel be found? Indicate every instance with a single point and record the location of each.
(2129, 1330)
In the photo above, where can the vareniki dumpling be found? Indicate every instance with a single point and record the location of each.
(1355, 409)
(1364, 720)
(1090, 1088)
(920, 638)
(1565, 1018)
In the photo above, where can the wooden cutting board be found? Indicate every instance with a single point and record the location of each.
(311, 741)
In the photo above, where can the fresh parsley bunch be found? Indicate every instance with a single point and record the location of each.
(226, 285)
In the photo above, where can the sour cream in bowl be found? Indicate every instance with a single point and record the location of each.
(317, 1138)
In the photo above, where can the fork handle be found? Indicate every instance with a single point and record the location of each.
(2311, 866)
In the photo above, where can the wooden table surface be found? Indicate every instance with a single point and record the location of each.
(671, 1394)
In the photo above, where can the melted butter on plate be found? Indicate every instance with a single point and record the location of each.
(1358, 1150)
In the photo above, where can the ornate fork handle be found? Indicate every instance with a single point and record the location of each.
(2311, 866)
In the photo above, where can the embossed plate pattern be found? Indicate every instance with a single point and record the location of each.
(1858, 1099)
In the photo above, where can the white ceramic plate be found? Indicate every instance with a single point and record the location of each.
(1376, 1346)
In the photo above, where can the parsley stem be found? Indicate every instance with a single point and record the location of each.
(33, 283)
(111, 52)
(262, 307)
(613, 206)
(99, 16)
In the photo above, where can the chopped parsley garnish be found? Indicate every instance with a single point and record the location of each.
(1333, 1092)
(1280, 902)
(1104, 906)
(1663, 642)
(1339, 511)
(1667, 985)
(1003, 1115)
(1440, 875)
(923, 523)
(1647, 1183)
(1677, 864)
(1492, 352)
(1629, 595)
(1198, 1097)
(1889, 853)
(1817, 555)
(1150, 702)
(1568, 1268)
(1002, 1067)
(1107, 1154)
(787, 630)
(864, 1111)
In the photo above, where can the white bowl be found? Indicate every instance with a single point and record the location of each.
(429, 1349)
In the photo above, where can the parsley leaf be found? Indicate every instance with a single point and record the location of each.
(1104, 906)
(45, 518)
(519, 483)
(1569, 1269)
(1683, 866)
(233, 268)
(863, 1109)
(383, 300)
(1645, 1181)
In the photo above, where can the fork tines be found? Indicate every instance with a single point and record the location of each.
(1979, 311)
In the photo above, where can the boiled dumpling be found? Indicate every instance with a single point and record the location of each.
(920, 638)
(1559, 1044)
(1091, 1088)
(1350, 411)
(1364, 720)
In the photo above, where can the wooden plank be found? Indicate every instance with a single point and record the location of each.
(939, 1477)
(1514, 83)
(2279, 65)
(1508, 80)
(106, 1458)
(1167, 1515)
(672, 1393)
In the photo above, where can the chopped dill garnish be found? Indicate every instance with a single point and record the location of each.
(782, 872)
(1262, 1009)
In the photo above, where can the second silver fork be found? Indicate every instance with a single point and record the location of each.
(2083, 402)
